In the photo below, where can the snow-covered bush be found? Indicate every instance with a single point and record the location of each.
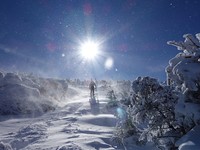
(112, 99)
(163, 114)
(184, 69)
(118, 91)
(183, 72)
(151, 117)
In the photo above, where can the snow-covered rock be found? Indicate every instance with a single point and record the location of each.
(11, 78)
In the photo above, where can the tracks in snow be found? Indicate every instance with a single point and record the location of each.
(75, 126)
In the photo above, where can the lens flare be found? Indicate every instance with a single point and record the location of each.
(109, 63)
(121, 113)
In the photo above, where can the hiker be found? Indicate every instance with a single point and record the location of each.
(91, 87)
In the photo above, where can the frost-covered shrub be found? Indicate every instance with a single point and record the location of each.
(151, 118)
(126, 99)
(163, 114)
(113, 102)
(183, 70)
(119, 92)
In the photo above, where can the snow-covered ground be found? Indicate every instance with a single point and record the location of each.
(190, 141)
(76, 125)
(67, 121)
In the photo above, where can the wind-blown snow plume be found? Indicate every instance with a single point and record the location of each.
(22, 94)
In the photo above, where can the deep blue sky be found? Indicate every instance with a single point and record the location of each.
(42, 36)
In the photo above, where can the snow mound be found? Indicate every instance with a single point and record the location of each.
(25, 94)
(29, 134)
(70, 146)
(190, 141)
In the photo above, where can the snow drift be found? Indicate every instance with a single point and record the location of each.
(24, 94)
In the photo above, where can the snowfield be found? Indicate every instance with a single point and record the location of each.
(67, 122)
(74, 126)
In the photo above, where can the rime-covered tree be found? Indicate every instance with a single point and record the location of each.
(152, 114)
(163, 114)
(183, 70)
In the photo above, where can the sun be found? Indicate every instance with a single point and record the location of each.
(89, 50)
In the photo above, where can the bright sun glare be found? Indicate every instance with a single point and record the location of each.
(89, 50)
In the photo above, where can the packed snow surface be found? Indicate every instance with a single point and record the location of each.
(76, 125)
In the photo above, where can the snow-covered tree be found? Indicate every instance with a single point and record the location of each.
(153, 110)
(151, 116)
(183, 70)
(165, 113)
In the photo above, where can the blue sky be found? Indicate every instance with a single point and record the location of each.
(43, 36)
